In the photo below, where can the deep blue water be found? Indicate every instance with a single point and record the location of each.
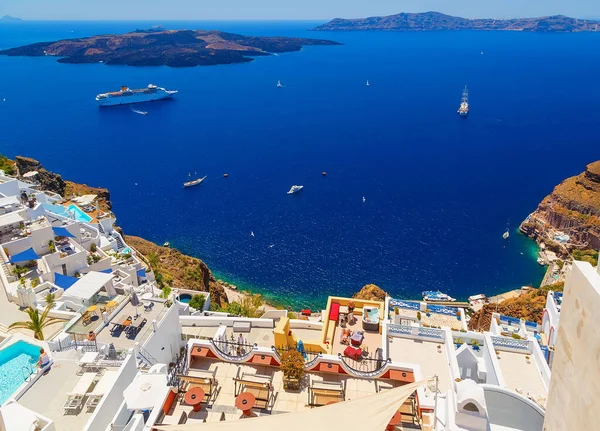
(439, 190)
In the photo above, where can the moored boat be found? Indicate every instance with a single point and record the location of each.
(295, 189)
(463, 109)
(437, 296)
(194, 182)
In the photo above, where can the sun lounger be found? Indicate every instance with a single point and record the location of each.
(75, 397)
(258, 385)
(106, 382)
(322, 393)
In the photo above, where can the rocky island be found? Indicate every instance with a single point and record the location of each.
(435, 21)
(160, 47)
(8, 18)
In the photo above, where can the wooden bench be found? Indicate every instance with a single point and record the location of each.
(322, 393)
(208, 383)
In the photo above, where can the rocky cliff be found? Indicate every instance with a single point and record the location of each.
(573, 208)
(371, 292)
(47, 180)
(179, 270)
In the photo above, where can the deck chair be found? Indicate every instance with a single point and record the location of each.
(258, 385)
(75, 397)
(203, 379)
(106, 382)
(86, 319)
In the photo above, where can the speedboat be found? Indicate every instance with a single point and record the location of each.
(368, 83)
(505, 235)
(279, 84)
(295, 189)
(437, 296)
(194, 182)
(137, 111)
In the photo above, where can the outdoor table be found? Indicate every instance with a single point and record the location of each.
(245, 401)
(127, 322)
(147, 295)
(395, 421)
(194, 397)
(92, 309)
(111, 304)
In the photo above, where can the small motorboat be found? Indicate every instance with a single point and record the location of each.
(279, 85)
(364, 199)
(167, 244)
(137, 111)
(194, 182)
(505, 235)
(437, 296)
(295, 189)
(368, 83)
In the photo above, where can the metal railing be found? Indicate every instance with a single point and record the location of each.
(310, 357)
(399, 329)
(76, 341)
(366, 366)
(145, 356)
(512, 343)
(232, 350)
(411, 305)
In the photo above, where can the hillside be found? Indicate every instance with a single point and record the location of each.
(160, 47)
(572, 208)
(435, 21)
(528, 306)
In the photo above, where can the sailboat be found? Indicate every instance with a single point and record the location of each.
(192, 183)
(279, 85)
(463, 110)
(368, 83)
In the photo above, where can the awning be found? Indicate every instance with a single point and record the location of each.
(11, 218)
(64, 281)
(106, 271)
(28, 254)
(142, 273)
(62, 231)
(88, 285)
(377, 410)
(145, 391)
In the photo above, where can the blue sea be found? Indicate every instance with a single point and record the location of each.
(440, 190)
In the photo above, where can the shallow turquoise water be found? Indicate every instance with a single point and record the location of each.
(16, 362)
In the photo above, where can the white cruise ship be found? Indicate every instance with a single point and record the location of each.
(127, 96)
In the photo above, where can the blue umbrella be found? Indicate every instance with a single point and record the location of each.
(300, 348)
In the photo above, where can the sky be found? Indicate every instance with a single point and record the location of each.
(286, 9)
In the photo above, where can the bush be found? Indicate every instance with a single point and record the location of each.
(197, 302)
(590, 256)
(6, 165)
(93, 247)
(292, 364)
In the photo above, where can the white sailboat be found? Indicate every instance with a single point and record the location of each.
(295, 189)
(192, 183)
(279, 85)
(368, 83)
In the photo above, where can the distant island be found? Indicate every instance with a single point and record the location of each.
(435, 21)
(8, 18)
(160, 47)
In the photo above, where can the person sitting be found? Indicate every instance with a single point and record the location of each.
(346, 334)
(43, 360)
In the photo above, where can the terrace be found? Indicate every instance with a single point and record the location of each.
(521, 374)
(103, 303)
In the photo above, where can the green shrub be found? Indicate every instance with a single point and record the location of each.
(590, 256)
(6, 165)
(93, 247)
(197, 302)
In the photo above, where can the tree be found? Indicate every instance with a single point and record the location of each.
(197, 302)
(292, 364)
(37, 322)
(50, 299)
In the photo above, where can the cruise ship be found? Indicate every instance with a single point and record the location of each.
(127, 95)
(463, 110)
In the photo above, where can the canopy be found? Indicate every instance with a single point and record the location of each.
(28, 254)
(10, 200)
(62, 231)
(106, 271)
(145, 391)
(376, 410)
(64, 281)
(88, 285)
(10, 218)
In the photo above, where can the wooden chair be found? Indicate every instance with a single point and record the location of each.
(258, 385)
(322, 393)
(86, 318)
(204, 379)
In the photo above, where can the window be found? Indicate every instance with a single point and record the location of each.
(470, 407)
(468, 372)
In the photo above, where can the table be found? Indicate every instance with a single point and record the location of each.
(111, 304)
(395, 421)
(147, 295)
(127, 322)
(194, 397)
(245, 401)
(92, 308)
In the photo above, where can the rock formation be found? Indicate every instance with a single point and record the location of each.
(47, 180)
(370, 292)
(573, 208)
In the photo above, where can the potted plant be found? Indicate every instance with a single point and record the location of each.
(527, 358)
(351, 306)
(439, 348)
(292, 365)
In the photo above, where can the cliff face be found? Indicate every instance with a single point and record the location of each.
(370, 292)
(573, 208)
(48, 180)
(180, 270)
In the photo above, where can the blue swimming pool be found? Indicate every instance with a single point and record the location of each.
(185, 298)
(14, 361)
(126, 250)
(70, 211)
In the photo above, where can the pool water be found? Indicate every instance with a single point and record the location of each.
(80, 216)
(185, 298)
(126, 250)
(13, 360)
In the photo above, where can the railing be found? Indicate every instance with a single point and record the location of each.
(412, 305)
(431, 332)
(400, 329)
(512, 343)
(510, 320)
(310, 357)
(180, 368)
(366, 367)
(76, 341)
(233, 351)
(441, 309)
(146, 356)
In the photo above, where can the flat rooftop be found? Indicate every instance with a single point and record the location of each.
(48, 395)
(522, 377)
(426, 355)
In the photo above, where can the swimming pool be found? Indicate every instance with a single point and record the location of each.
(14, 361)
(69, 212)
(185, 298)
(126, 250)
(80, 216)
